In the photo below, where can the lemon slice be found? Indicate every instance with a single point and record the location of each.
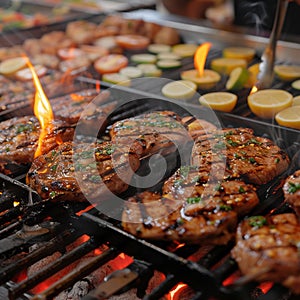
(287, 72)
(225, 65)
(239, 52)
(296, 101)
(222, 101)
(207, 81)
(296, 84)
(237, 78)
(267, 103)
(252, 79)
(116, 78)
(184, 50)
(10, 66)
(181, 89)
(289, 117)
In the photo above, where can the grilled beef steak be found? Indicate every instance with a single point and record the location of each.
(150, 216)
(160, 131)
(19, 139)
(255, 159)
(192, 208)
(82, 172)
(267, 249)
(291, 191)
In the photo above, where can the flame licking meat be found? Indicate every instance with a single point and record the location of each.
(200, 57)
(253, 90)
(42, 110)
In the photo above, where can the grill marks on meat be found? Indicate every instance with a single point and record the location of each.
(255, 159)
(78, 108)
(160, 132)
(191, 209)
(19, 139)
(82, 172)
(162, 218)
(291, 189)
(267, 249)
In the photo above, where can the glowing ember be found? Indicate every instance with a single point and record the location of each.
(253, 90)
(200, 57)
(176, 290)
(265, 286)
(98, 86)
(76, 97)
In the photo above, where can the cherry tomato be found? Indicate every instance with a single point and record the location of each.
(132, 41)
(111, 63)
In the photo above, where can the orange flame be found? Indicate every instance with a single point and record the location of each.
(265, 286)
(200, 57)
(173, 293)
(253, 90)
(98, 86)
(42, 108)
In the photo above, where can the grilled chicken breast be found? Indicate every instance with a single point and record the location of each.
(291, 189)
(82, 172)
(19, 139)
(160, 131)
(192, 209)
(256, 160)
(267, 249)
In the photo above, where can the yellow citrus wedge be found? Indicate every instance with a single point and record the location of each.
(10, 66)
(287, 72)
(296, 84)
(207, 81)
(252, 79)
(267, 103)
(239, 52)
(296, 101)
(222, 101)
(289, 117)
(225, 65)
(237, 78)
(184, 50)
(181, 89)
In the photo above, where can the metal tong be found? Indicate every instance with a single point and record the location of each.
(266, 66)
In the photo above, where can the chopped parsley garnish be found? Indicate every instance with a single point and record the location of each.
(257, 221)
(225, 207)
(53, 168)
(293, 187)
(232, 143)
(95, 178)
(252, 160)
(253, 141)
(218, 187)
(277, 160)
(29, 127)
(52, 194)
(193, 200)
(241, 190)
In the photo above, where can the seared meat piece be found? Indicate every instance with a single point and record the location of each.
(267, 249)
(193, 208)
(81, 172)
(77, 107)
(255, 159)
(291, 191)
(199, 191)
(19, 139)
(150, 216)
(159, 131)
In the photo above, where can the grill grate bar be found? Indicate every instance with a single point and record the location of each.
(54, 267)
(66, 236)
(77, 274)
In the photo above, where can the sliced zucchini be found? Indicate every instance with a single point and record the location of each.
(150, 70)
(131, 72)
(159, 48)
(144, 58)
(170, 55)
(168, 64)
(116, 78)
(10, 66)
(185, 50)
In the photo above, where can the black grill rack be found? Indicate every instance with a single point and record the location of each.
(61, 225)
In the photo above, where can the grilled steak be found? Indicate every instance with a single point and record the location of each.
(86, 171)
(291, 191)
(160, 131)
(149, 215)
(19, 139)
(267, 249)
(192, 209)
(77, 107)
(254, 159)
